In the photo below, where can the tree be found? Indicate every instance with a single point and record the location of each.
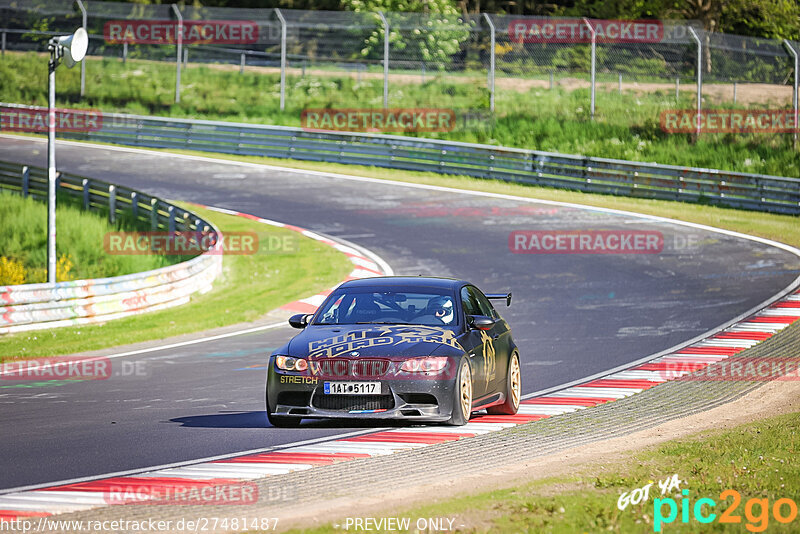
(436, 36)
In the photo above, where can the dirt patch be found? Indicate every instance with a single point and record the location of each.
(775, 398)
(747, 94)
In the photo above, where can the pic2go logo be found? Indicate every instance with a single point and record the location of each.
(756, 511)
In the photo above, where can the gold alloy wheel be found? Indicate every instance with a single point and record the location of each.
(516, 382)
(466, 391)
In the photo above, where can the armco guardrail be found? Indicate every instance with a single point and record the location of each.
(43, 306)
(593, 175)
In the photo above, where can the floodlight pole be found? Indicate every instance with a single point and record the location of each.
(593, 33)
(699, 44)
(83, 63)
(794, 54)
(179, 39)
(385, 59)
(491, 60)
(51, 162)
(283, 57)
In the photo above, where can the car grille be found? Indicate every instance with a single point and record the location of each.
(353, 402)
(344, 367)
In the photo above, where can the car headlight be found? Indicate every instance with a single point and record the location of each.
(428, 364)
(287, 363)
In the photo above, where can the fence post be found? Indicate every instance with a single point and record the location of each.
(620, 83)
(385, 59)
(26, 180)
(551, 80)
(793, 52)
(112, 204)
(171, 223)
(734, 92)
(4, 43)
(594, 49)
(154, 214)
(677, 88)
(124, 52)
(134, 205)
(491, 60)
(699, 76)
(179, 34)
(283, 57)
(83, 63)
(241, 64)
(85, 184)
(186, 57)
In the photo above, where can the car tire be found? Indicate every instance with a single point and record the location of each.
(462, 395)
(513, 389)
(281, 421)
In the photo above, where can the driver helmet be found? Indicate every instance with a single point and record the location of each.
(442, 309)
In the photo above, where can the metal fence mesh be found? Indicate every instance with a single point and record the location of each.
(345, 52)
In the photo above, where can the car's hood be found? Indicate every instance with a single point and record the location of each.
(318, 342)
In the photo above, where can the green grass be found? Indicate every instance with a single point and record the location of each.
(249, 287)
(626, 126)
(759, 460)
(79, 235)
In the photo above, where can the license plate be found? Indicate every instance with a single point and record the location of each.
(352, 388)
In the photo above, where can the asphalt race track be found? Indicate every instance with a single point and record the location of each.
(573, 314)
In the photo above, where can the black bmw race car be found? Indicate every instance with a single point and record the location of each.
(411, 348)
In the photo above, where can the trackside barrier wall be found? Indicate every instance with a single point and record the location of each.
(592, 175)
(42, 306)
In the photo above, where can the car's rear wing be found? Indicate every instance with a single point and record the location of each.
(500, 296)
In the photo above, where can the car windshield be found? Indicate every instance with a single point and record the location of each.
(388, 307)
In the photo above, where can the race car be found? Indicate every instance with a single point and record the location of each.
(401, 348)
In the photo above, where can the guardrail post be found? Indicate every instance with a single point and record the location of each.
(26, 180)
(154, 214)
(85, 184)
(83, 63)
(171, 223)
(134, 205)
(491, 60)
(385, 59)
(283, 57)
(112, 204)
(179, 34)
(699, 76)
(594, 49)
(793, 52)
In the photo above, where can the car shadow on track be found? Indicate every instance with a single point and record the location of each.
(259, 420)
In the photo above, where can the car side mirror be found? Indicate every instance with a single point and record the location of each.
(300, 320)
(480, 322)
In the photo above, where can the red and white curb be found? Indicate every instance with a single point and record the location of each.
(719, 346)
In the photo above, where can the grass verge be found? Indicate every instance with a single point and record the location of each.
(757, 460)
(79, 243)
(625, 126)
(249, 287)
